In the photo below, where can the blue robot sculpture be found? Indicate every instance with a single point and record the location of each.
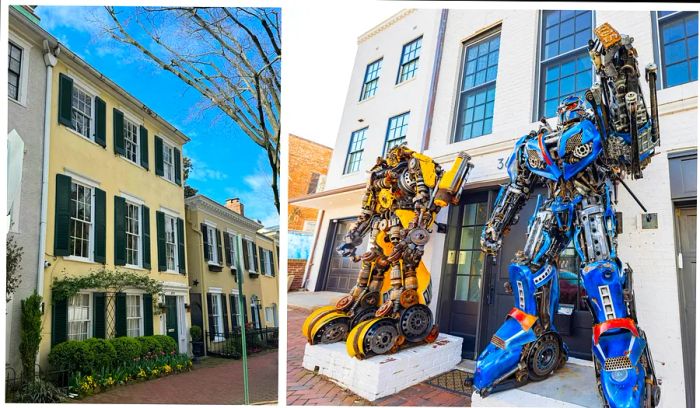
(580, 161)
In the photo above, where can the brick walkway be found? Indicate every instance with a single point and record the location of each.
(213, 382)
(305, 388)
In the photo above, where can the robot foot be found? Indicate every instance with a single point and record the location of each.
(326, 325)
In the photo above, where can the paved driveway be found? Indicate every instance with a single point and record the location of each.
(213, 382)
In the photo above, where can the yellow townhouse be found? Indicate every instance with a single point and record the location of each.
(220, 240)
(116, 210)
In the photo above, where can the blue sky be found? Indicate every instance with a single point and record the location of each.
(226, 162)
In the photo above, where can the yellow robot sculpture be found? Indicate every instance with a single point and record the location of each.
(387, 311)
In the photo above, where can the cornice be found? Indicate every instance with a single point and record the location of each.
(384, 25)
(204, 203)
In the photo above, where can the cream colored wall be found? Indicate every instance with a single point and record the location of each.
(269, 285)
(74, 153)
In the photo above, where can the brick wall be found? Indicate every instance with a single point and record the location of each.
(296, 267)
(305, 158)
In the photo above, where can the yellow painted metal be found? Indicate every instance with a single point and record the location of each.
(325, 320)
(427, 166)
(607, 35)
(355, 339)
(306, 326)
(447, 179)
(385, 198)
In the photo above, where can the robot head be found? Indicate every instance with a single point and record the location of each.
(571, 110)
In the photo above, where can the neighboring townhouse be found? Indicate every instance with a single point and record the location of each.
(220, 240)
(115, 203)
(27, 75)
(498, 72)
(308, 166)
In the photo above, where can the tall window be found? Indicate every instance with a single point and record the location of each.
(396, 131)
(81, 225)
(252, 267)
(565, 66)
(134, 316)
(79, 322)
(678, 43)
(234, 311)
(357, 147)
(369, 86)
(211, 239)
(232, 248)
(131, 140)
(168, 163)
(478, 91)
(268, 262)
(171, 243)
(82, 111)
(217, 316)
(409, 60)
(133, 234)
(15, 68)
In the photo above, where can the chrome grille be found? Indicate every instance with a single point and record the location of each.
(573, 141)
(534, 159)
(618, 363)
(498, 342)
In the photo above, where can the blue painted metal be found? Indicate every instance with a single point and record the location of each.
(589, 134)
(597, 275)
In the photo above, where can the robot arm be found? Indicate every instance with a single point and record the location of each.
(353, 238)
(510, 200)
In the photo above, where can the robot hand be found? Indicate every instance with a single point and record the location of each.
(490, 241)
(346, 250)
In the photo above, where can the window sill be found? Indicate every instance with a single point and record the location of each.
(82, 136)
(20, 103)
(170, 181)
(215, 268)
(406, 81)
(79, 259)
(132, 163)
(369, 98)
(171, 272)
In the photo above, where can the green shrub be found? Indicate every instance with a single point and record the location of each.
(232, 347)
(168, 344)
(73, 356)
(39, 391)
(103, 353)
(30, 333)
(149, 346)
(127, 349)
(196, 333)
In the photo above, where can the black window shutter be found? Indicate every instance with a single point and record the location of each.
(143, 132)
(255, 258)
(100, 122)
(119, 230)
(148, 314)
(98, 313)
(65, 100)
(219, 252)
(245, 310)
(59, 321)
(181, 245)
(100, 226)
(210, 302)
(205, 241)
(263, 268)
(160, 227)
(273, 264)
(118, 129)
(146, 239)
(227, 248)
(176, 157)
(120, 315)
(233, 305)
(158, 146)
(224, 309)
(61, 239)
(245, 255)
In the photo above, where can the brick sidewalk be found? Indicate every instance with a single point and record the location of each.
(213, 382)
(306, 388)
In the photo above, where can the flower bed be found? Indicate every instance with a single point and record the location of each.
(98, 364)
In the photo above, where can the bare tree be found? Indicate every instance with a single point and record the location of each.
(231, 56)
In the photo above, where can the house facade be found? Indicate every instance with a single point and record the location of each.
(483, 79)
(115, 204)
(221, 244)
(26, 111)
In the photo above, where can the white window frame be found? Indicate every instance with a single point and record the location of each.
(267, 262)
(233, 250)
(91, 129)
(139, 239)
(167, 146)
(251, 257)
(89, 316)
(139, 296)
(213, 244)
(219, 318)
(26, 47)
(91, 238)
(237, 316)
(172, 221)
(137, 143)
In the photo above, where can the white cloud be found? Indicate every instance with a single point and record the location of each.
(202, 172)
(258, 198)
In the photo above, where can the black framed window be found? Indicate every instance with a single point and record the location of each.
(396, 131)
(371, 82)
(14, 70)
(409, 60)
(478, 91)
(565, 67)
(678, 46)
(470, 258)
(355, 151)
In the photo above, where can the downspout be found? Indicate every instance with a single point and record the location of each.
(50, 59)
(425, 140)
(310, 261)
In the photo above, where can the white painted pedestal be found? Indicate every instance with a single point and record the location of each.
(379, 376)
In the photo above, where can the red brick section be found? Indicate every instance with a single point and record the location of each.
(306, 388)
(220, 384)
(296, 267)
(305, 157)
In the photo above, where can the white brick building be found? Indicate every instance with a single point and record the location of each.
(532, 46)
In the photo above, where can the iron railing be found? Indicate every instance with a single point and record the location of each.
(228, 344)
(15, 380)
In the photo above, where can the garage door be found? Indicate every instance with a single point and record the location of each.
(341, 273)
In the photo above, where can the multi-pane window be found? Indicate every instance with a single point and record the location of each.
(235, 315)
(133, 234)
(81, 220)
(476, 98)
(82, 111)
(396, 131)
(134, 316)
(565, 67)
(252, 267)
(369, 85)
(168, 163)
(357, 147)
(409, 60)
(211, 239)
(232, 248)
(268, 262)
(131, 140)
(217, 317)
(171, 243)
(79, 322)
(15, 68)
(678, 41)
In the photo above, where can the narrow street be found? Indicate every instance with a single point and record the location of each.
(306, 388)
(214, 381)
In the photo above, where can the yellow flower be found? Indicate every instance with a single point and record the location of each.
(179, 367)
(167, 369)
